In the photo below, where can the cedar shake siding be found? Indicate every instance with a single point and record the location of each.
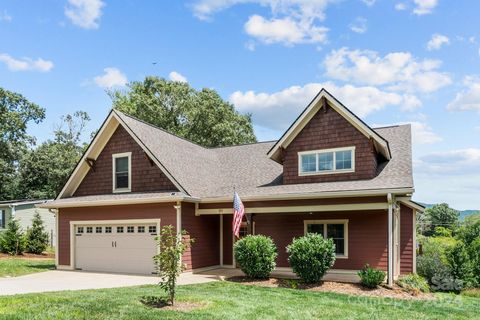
(367, 236)
(146, 176)
(327, 130)
(205, 230)
(407, 247)
(164, 211)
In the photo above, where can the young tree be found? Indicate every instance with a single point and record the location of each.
(12, 240)
(441, 215)
(37, 238)
(15, 114)
(168, 261)
(199, 116)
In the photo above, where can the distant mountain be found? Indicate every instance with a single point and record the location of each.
(463, 213)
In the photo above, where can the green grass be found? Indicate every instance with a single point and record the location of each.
(13, 267)
(225, 300)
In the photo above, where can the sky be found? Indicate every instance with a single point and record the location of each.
(389, 61)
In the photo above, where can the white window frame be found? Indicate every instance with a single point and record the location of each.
(114, 157)
(334, 170)
(325, 222)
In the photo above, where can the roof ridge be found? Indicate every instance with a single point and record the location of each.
(389, 126)
(241, 144)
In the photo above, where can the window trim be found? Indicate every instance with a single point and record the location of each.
(325, 222)
(114, 157)
(333, 171)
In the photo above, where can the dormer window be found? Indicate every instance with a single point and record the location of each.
(326, 161)
(122, 173)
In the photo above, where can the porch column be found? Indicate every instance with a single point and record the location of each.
(390, 239)
(249, 223)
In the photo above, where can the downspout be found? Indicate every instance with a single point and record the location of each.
(56, 213)
(390, 239)
(12, 212)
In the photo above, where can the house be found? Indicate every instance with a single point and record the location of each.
(23, 211)
(329, 173)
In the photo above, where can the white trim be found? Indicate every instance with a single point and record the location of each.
(94, 222)
(334, 170)
(301, 209)
(221, 239)
(390, 239)
(128, 155)
(414, 260)
(57, 217)
(396, 236)
(325, 222)
(407, 201)
(178, 208)
(313, 107)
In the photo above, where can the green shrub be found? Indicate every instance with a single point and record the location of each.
(470, 233)
(474, 253)
(370, 277)
(442, 232)
(12, 240)
(461, 267)
(414, 283)
(433, 261)
(37, 238)
(256, 256)
(311, 256)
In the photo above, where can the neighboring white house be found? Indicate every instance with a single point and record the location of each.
(23, 211)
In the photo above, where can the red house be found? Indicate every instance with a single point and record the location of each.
(329, 173)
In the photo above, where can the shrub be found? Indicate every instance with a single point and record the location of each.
(311, 256)
(414, 283)
(474, 252)
(442, 232)
(370, 277)
(470, 233)
(168, 261)
(461, 267)
(12, 240)
(37, 238)
(433, 261)
(256, 255)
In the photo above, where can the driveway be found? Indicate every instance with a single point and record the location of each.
(75, 280)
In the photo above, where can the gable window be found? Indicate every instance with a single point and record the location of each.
(326, 161)
(122, 175)
(337, 230)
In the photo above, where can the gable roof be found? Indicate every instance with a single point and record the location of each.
(213, 173)
(321, 100)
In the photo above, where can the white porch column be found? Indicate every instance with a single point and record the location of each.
(178, 207)
(390, 239)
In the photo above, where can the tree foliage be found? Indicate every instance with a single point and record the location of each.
(15, 114)
(36, 237)
(441, 215)
(168, 261)
(12, 240)
(199, 116)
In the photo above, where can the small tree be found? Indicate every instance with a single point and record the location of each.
(37, 238)
(168, 261)
(12, 240)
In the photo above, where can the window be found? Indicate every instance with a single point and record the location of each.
(89, 229)
(108, 229)
(79, 229)
(98, 230)
(130, 229)
(122, 172)
(119, 229)
(141, 229)
(2, 219)
(337, 230)
(152, 229)
(326, 161)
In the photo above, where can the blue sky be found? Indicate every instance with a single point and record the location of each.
(405, 61)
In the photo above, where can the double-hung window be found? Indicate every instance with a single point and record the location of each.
(326, 161)
(122, 175)
(337, 230)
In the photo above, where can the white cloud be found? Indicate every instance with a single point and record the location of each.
(277, 110)
(112, 77)
(359, 25)
(469, 98)
(424, 6)
(452, 162)
(26, 64)
(369, 2)
(437, 41)
(400, 6)
(291, 21)
(4, 16)
(84, 13)
(287, 31)
(175, 76)
(397, 70)
(422, 133)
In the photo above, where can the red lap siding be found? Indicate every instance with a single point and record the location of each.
(406, 240)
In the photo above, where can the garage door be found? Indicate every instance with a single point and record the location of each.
(122, 248)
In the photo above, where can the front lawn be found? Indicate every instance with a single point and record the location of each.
(225, 300)
(13, 267)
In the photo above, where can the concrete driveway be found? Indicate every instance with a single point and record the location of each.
(76, 280)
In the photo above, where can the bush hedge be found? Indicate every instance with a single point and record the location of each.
(311, 256)
(256, 256)
(414, 283)
(370, 277)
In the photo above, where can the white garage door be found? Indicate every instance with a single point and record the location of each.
(122, 248)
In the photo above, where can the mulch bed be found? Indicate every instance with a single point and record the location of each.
(28, 256)
(336, 287)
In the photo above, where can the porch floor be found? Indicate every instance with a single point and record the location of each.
(333, 275)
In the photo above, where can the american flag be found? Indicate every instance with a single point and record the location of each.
(238, 212)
